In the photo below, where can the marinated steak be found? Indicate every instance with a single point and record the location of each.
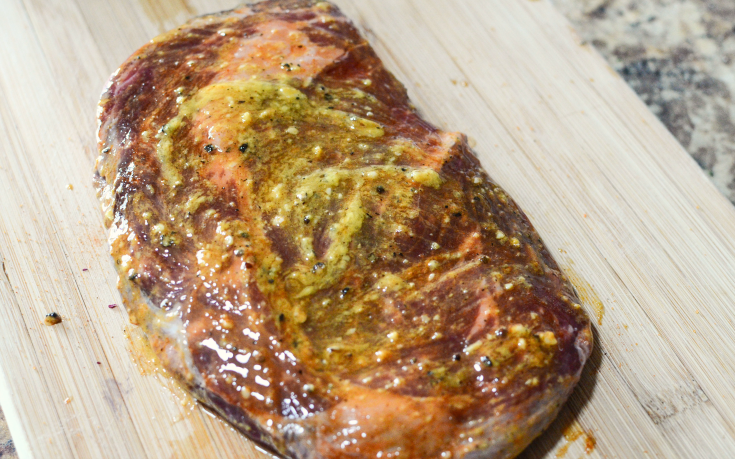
(332, 274)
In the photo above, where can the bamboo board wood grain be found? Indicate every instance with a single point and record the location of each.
(631, 218)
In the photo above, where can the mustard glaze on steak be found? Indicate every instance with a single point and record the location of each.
(334, 275)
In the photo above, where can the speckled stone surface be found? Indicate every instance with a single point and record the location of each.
(7, 449)
(679, 56)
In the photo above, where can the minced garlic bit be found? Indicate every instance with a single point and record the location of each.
(299, 315)
(426, 176)
(499, 235)
(548, 338)
(518, 329)
(292, 130)
(472, 347)
(226, 322)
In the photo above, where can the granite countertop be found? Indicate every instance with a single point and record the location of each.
(678, 55)
(7, 449)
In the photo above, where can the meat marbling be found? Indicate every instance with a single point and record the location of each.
(332, 274)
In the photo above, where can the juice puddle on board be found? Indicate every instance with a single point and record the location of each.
(572, 434)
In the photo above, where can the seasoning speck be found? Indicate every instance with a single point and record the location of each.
(243, 148)
(209, 148)
(112, 306)
(52, 318)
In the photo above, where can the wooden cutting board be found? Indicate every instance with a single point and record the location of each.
(645, 237)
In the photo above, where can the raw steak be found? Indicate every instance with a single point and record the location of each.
(332, 274)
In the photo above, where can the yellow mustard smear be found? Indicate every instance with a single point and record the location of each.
(296, 163)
